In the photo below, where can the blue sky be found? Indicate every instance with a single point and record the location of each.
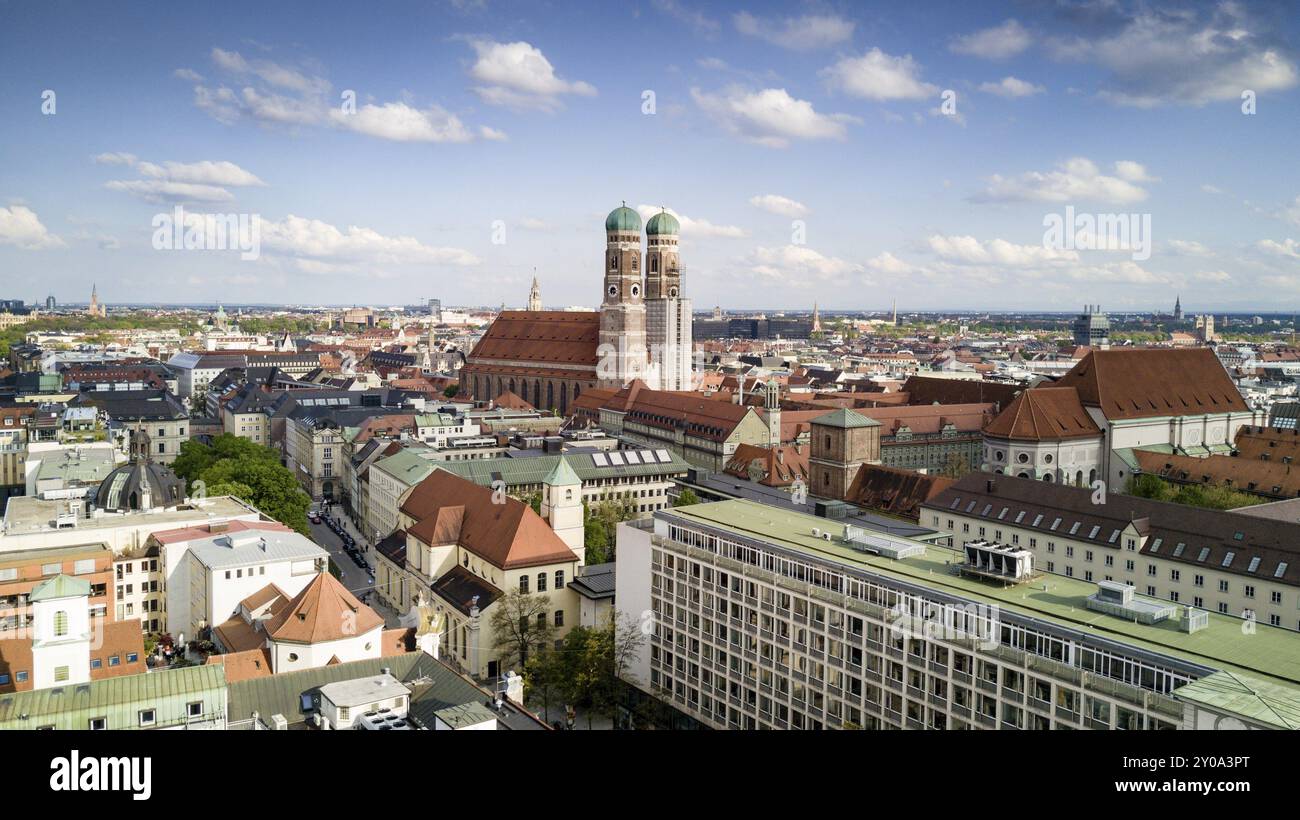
(807, 148)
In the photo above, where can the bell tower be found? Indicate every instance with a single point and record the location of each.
(663, 279)
(622, 353)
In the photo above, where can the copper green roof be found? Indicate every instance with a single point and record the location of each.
(662, 223)
(60, 586)
(623, 219)
(845, 419)
(562, 475)
(1251, 698)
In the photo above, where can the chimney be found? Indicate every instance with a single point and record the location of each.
(990, 485)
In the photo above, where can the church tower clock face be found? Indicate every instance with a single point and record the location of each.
(636, 290)
(613, 290)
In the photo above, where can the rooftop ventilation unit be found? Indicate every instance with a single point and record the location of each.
(881, 544)
(1115, 598)
(1193, 620)
(1002, 562)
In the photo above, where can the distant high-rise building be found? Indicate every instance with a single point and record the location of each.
(1092, 328)
(435, 309)
(50, 303)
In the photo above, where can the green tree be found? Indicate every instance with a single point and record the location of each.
(274, 490)
(521, 624)
(686, 498)
(451, 391)
(249, 471)
(597, 660)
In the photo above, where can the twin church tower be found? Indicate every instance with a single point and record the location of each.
(641, 331)
(645, 323)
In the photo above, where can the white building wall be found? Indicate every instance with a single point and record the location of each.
(632, 590)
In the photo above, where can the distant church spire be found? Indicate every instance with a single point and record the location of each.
(817, 319)
(535, 296)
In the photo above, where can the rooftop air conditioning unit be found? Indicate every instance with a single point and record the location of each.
(278, 723)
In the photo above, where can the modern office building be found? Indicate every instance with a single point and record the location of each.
(767, 618)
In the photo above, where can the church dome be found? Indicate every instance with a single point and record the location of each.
(663, 223)
(624, 220)
(140, 484)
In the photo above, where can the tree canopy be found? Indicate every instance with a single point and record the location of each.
(249, 471)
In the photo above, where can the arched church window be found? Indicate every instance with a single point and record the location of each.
(654, 264)
(613, 262)
(635, 263)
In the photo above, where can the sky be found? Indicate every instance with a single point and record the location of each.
(848, 154)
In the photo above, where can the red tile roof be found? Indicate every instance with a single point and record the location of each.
(1044, 413)
(505, 535)
(545, 336)
(1132, 384)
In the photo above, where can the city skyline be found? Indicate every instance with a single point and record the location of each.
(487, 141)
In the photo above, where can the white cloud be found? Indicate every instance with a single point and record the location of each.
(770, 117)
(116, 158)
(160, 190)
(204, 172)
(285, 96)
(880, 76)
(701, 23)
(22, 228)
(779, 205)
(890, 265)
(1291, 213)
(695, 228)
(492, 134)
(1130, 171)
(400, 122)
(518, 75)
(274, 74)
(1158, 58)
(1076, 179)
(532, 223)
(1012, 87)
(969, 250)
(996, 43)
(188, 74)
(1287, 248)
(324, 244)
(1188, 247)
(799, 264)
(1215, 276)
(796, 33)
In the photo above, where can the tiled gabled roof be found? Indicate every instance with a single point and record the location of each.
(507, 535)
(1132, 384)
(1044, 413)
(323, 611)
(547, 336)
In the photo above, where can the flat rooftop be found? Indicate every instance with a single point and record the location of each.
(47, 555)
(363, 691)
(1268, 651)
(84, 465)
(241, 548)
(27, 515)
